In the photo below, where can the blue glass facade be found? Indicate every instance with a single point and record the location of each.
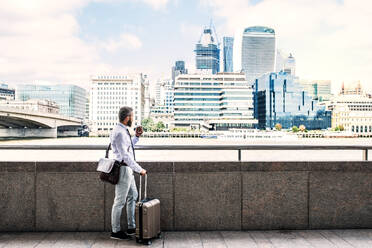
(228, 46)
(278, 98)
(71, 99)
(207, 53)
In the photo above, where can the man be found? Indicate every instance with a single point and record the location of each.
(125, 191)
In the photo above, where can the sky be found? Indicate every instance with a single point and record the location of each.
(47, 41)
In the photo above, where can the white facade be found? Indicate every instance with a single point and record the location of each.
(353, 112)
(147, 98)
(164, 94)
(109, 94)
(215, 101)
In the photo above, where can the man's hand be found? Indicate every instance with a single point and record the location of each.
(139, 131)
(143, 172)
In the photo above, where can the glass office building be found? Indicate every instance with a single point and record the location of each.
(228, 46)
(279, 98)
(207, 52)
(177, 69)
(258, 51)
(71, 99)
(6, 93)
(318, 89)
(213, 101)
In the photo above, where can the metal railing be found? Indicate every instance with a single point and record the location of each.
(238, 148)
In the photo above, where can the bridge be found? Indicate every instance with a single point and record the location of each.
(16, 122)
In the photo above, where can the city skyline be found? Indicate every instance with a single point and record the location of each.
(70, 41)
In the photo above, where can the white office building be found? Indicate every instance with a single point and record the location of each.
(111, 92)
(353, 112)
(213, 101)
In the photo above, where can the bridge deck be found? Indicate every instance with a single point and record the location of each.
(226, 239)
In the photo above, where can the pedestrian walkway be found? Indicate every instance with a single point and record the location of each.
(226, 239)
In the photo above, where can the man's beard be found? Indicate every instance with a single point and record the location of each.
(129, 123)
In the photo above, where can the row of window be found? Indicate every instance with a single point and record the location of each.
(359, 129)
(110, 124)
(111, 93)
(212, 94)
(115, 103)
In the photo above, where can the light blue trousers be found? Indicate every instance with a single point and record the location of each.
(125, 192)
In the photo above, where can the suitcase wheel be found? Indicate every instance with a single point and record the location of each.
(147, 242)
(159, 236)
(138, 240)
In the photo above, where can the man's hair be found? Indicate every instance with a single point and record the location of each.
(124, 112)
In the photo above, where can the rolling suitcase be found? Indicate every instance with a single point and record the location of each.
(147, 217)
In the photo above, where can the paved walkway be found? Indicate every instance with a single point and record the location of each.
(267, 239)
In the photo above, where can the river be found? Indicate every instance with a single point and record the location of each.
(198, 155)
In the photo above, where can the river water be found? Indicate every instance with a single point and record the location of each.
(198, 155)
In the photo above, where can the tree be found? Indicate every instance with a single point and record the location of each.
(341, 128)
(295, 129)
(278, 126)
(160, 126)
(148, 125)
(302, 128)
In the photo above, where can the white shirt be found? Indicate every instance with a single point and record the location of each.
(122, 147)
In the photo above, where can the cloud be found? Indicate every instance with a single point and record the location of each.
(330, 39)
(157, 4)
(126, 41)
(39, 41)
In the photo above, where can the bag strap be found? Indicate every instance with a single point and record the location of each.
(108, 150)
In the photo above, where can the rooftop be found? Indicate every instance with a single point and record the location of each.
(259, 29)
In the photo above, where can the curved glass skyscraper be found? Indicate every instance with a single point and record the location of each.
(258, 51)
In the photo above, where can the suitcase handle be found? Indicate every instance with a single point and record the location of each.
(140, 187)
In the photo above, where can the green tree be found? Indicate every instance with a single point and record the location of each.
(148, 125)
(160, 126)
(295, 129)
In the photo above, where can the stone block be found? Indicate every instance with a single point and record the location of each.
(340, 200)
(200, 167)
(208, 201)
(69, 202)
(65, 166)
(274, 166)
(275, 200)
(17, 166)
(17, 204)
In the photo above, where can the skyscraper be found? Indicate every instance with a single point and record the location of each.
(228, 44)
(318, 89)
(177, 69)
(290, 65)
(258, 51)
(207, 52)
